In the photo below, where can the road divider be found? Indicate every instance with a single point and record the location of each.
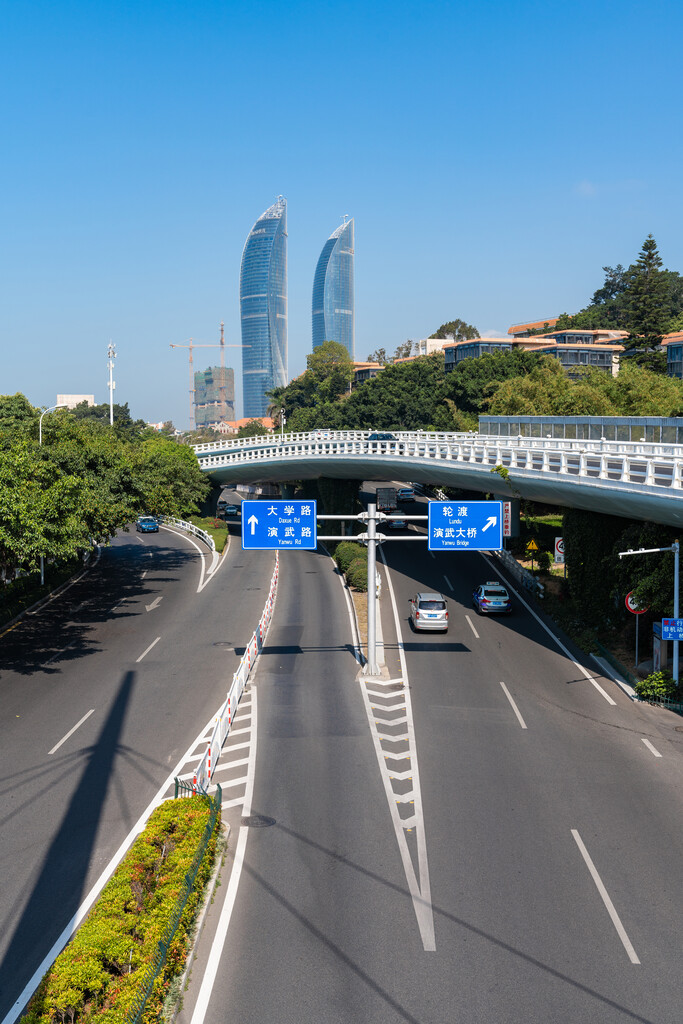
(224, 719)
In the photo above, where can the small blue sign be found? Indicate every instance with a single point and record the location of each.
(672, 629)
(465, 526)
(275, 525)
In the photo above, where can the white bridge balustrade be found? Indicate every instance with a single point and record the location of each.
(639, 480)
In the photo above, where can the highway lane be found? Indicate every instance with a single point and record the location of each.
(506, 808)
(533, 818)
(66, 808)
(322, 906)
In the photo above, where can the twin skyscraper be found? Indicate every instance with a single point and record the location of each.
(263, 302)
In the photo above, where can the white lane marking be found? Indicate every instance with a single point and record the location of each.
(155, 603)
(139, 540)
(471, 624)
(153, 644)
(143, 575)
(421, 894)
(63, 650)
(616, 921)
(448, 582)
(71, 731)
(216, 953)
(185, 536)
(650, 747)
(550, 633)
(432, 555)
(514, 706)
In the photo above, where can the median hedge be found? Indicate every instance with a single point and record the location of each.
(97, 976)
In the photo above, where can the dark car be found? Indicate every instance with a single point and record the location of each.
(381, 437)
(147, 524)
(492, 598)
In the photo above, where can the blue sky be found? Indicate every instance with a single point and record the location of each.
(494, 156)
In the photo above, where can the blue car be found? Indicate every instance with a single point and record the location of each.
(147, 524)
(492, 599)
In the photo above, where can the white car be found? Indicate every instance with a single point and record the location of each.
(429, 611)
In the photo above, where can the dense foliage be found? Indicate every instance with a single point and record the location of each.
(97, 976)
(85, 481)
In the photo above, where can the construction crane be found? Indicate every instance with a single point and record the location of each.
(191, 345)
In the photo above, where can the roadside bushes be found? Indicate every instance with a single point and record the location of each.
(352, 559)
(656, 686)
(98, 975)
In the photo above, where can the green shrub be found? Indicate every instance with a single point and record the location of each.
(357, 574)
(656, 685)
(347, 552)
(96, 978)
(543, 561)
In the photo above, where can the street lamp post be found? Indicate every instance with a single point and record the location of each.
(61, 405)
(675, 547)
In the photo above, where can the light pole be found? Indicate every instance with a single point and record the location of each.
(60, 405)
(675, 547)
(283, 420)
(111, 353)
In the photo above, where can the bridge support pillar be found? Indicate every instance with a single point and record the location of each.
(287, 491)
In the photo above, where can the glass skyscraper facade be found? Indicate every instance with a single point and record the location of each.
(263, 308)
(334, 315)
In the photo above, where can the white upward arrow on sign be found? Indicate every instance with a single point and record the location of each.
(491, 521)
(252, 520)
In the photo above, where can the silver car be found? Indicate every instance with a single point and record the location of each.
(429, 612)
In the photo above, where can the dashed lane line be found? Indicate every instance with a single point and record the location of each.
(147, 650)
(471, 625)
(650, 747)
(513, 705)
(604, 895)
(78, 724)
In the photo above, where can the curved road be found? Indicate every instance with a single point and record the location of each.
(67, 802)
(480, 836)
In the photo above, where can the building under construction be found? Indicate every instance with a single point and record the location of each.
(214, 396)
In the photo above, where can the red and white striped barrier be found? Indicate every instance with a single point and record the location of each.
(207, 765)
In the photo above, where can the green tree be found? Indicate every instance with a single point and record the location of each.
(378, 356)
(18, 417)
(458, 330)
(470, 383)
(254, 428)
(647, 296)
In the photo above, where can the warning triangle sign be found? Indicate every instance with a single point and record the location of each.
(532, 545)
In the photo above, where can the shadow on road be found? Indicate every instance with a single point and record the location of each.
(59, 887)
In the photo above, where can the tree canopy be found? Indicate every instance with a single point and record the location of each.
(458, 330)
(84, 482)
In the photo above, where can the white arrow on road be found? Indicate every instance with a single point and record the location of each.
(252, 520)
(491, 521)
(155, 603)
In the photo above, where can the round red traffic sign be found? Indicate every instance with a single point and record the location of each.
(633, 605)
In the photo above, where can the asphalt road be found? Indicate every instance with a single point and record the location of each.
(523, 864)
(141, 659)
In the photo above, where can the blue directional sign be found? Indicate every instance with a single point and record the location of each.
(672, 629)
(465, 526)
(274, 525)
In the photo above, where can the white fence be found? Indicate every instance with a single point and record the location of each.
(224, 718)
(180, 524)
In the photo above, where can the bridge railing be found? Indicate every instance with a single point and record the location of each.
(603, 463)
(568, 445)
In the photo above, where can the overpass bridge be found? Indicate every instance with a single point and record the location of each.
(633, 479)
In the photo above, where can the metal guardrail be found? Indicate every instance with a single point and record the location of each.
(224, 718)
(522, 575)
(134, 1014)
(180, 524)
